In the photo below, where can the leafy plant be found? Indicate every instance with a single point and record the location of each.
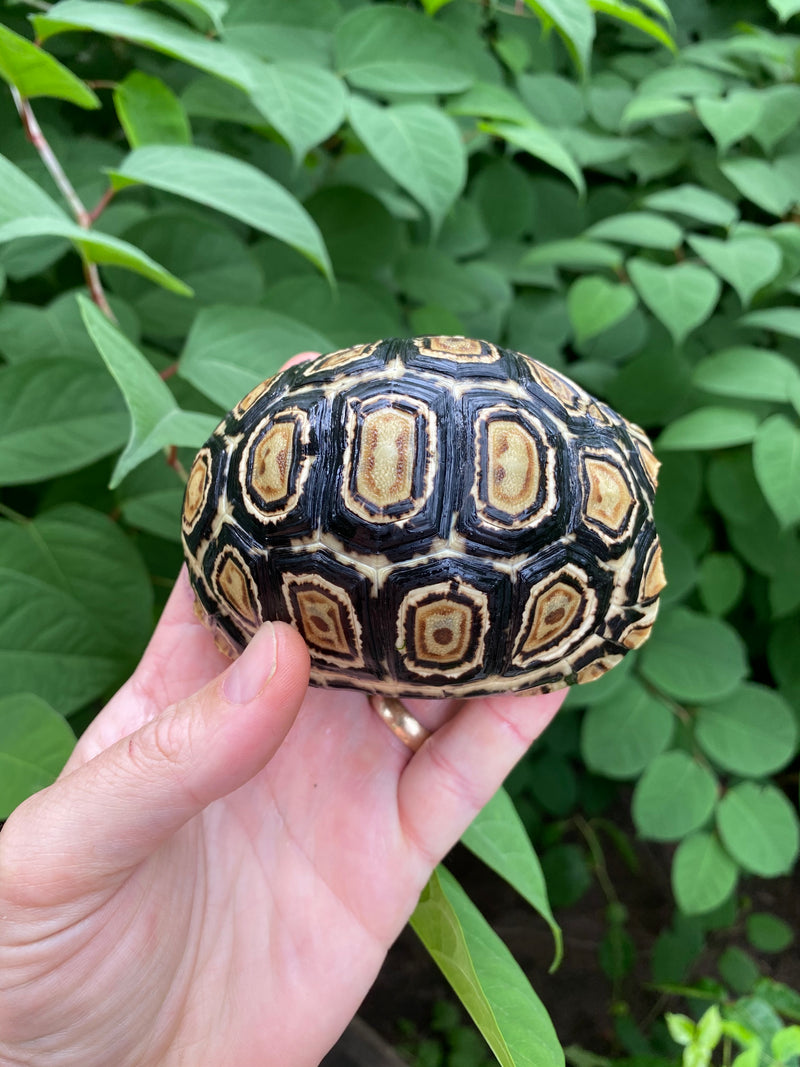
(190, 194)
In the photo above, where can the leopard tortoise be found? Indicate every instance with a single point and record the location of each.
(436, 516)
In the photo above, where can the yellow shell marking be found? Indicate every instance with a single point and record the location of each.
(655, 579)
(197, 486)
(459, 349)
(325, 616)
(609, 498)
(445, 628)
(235, 584)
(385, 470)
(255, 394)
(272, 458)
(441, 631)
(513, 467)
(555, 613)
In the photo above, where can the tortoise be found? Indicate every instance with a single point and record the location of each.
(437, 516)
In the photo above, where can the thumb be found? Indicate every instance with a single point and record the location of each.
(110, 814)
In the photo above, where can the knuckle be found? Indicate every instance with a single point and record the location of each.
(450, 778)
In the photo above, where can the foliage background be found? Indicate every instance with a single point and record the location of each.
(610, 187)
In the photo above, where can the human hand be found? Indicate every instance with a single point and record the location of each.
(216, 876)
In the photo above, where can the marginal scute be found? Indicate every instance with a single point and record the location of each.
(198, 485)
(654, 577)
(235, 585)
(325, 615)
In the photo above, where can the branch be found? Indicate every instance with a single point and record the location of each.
(33, 131)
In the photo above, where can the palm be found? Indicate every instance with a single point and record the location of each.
(262, 922)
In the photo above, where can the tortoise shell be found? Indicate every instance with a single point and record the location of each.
(436, 516)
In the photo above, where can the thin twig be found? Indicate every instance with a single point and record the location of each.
(171, 454)
(33, 132)
(102, 204)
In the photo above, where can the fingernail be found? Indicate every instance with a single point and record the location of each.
(248, 675)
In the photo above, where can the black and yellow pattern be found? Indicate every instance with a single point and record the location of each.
(436, 516)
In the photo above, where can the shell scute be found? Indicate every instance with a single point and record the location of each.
(436, 516)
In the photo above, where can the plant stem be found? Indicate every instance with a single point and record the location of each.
(33, 132)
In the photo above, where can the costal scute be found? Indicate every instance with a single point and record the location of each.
(437, 516)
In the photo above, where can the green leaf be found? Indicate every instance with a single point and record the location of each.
(752, 733)
(767, 932)
(150, 29)
(694, 202)
(21, 196)
(776, 459)
(710, 428)
(304, 103)
(747, 372)
(681, 297)
(759, 827)
(681, 1029)
(622, 735)
(768, 185)
(781, 320)
(95, 247)
(489, 101)
(780, 112)
(693, 657)
(35, 743)
(230, 350)
(156, 419)
(228, 185)
(210, 98)
(720, 582)
(730, 119)
(347, 316)
(573, 253)
(75, 606)
(499, 838)
(641, 228)
(158, 512)
(203, 249)
(674, 797)
(594, 304)
(540, 142)
(485, 976)
(784, 8)
(149, 112)
(786, 1044)
(574, 22)
(703, 875)
(396, 50)
(633, 16)
(746, 263)
(33, 72)
(418, 146)
(646, 107)
(56, 416)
